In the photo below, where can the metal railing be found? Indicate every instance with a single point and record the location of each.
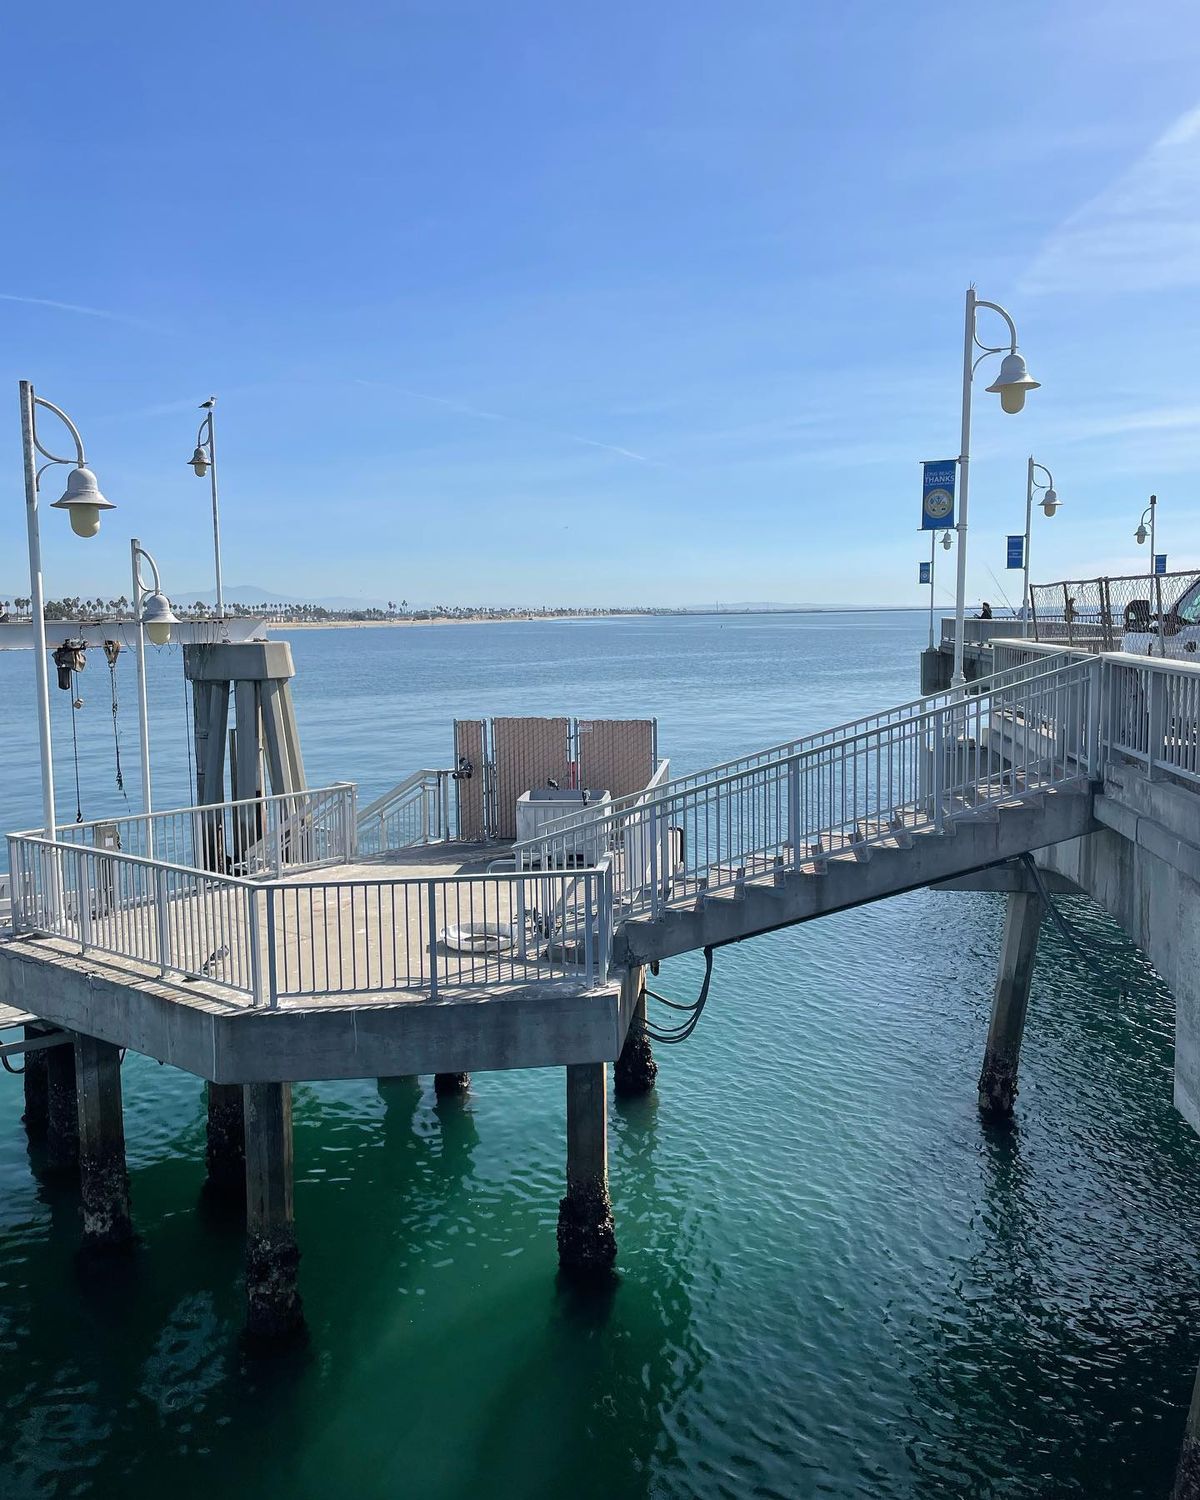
(417, 811)
(1101, 613)
(260, 942)
(1152, 714)
(871, 785)
(866, 724)
(252, 837)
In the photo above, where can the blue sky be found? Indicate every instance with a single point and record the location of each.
(600, 304)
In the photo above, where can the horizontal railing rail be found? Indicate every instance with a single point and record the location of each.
(417, 811)
(261, 942)
(875, 784)
(1153, 714)
(252, 836)
(866, 723)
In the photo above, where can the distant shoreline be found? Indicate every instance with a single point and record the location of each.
(283, 622)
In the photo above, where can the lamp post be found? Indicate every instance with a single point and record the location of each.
(83, 502)
(154, 615)
(1011, 385)
(1141, 533)
(204, 461)
(1049, 504)
(932, 570)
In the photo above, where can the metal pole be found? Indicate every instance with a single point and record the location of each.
(964, 461)
(932, 559)
(212, 470)
(1153, 543)
(38, 609)
(135, 548)
(1028, 525)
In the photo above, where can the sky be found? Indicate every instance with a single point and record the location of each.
(600, 304)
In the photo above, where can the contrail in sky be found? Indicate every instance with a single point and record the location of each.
(74, 307)
(495, 416)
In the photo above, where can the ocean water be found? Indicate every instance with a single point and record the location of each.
(833, 1280)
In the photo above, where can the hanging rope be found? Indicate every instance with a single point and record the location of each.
(112, 649)
(680, 1033)
(76, 705)
(188, 737)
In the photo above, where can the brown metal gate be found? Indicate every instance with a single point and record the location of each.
(527, 753)
(470, 750)
(616, 755)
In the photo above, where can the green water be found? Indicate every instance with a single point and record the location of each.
(833, 1281)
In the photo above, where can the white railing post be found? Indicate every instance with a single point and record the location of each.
(351, 845)
(258, 988)
(433, 942)
(162, 920)
(589, 948)
(277, 822)
(793, 822)
(83, 903)
(1156, 742)
(939, 768)
(652, 834)
(272, 993)
(1095, 715)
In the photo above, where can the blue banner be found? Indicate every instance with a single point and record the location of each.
(937, 494)
(925, 572)
(1016, 552)
(1160, 562)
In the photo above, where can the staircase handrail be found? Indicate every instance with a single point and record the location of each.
(384, 803)
(756, 760)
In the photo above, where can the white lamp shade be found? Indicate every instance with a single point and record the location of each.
(158, 617)
(1013, 382)
(1140, 535)
(199, 462)
(946, 541)
(83, 502)
(1050, 501)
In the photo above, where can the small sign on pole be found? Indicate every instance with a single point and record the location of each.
(925, 567)
(1016, 552)
(937, 494)
(1160, 562)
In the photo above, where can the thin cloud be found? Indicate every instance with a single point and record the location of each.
(74, 307)
(1142, 233)
(495, 416)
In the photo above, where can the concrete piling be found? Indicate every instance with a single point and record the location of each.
(36, 1081)
(104, 1181)
(448, 1084)
(635, 1070)
(62, 1111)
(274, 1311)
(998, 1080)
(1187, 1474)
(587, 1241)
(225, 1140)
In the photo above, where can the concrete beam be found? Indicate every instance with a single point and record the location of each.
(546, 1024)
(587, 1241)
(249, 661)
(104, 1181)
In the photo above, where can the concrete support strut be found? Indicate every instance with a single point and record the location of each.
(274, 1312)
(448, 1085)
(225, 1140)
(998, 1080)
(103, 1179)
(37, 1084)
(635, 1070)
(587, 1240)
(1187, 1474)
(62, 1112)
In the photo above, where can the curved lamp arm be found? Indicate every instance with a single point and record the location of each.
(80, 461)
(204, 431)
(140, 554)
(1049, 485)
(993, 348)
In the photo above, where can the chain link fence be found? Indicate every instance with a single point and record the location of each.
(1106, 614)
